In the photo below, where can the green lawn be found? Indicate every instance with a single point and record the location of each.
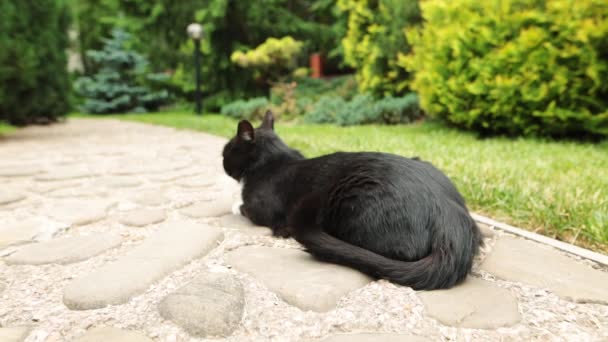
(5, 129)
(559, 189)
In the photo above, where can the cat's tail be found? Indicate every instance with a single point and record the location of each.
(449, 262)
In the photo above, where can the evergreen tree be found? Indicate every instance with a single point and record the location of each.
(120, 83)
(34, 82)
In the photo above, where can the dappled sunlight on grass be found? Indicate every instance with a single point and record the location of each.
(559, 189)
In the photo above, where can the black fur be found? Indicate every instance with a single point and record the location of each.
(388, 216)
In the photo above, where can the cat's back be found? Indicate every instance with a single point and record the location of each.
(386, 169)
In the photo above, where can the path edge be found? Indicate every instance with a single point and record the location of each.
(566, 247)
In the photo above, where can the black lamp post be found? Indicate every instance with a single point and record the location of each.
(195, 31)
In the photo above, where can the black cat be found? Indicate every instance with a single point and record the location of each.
(388, 216)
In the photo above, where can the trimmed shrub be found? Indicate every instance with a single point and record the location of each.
(373, 41)
(252, 109)
(363, 109)
(34, 81)
(514, 67)
(325, 110)
(121, 83)
(396, 110)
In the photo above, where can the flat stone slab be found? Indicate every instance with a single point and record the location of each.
(151, 198)
(64, 173)
(219, 207)
(174, 245)
(23, 231)
(2, 286)
(486, 231)
(103, 334)
(142, 217)
(79, 212)
(243, 224)
(532, 263)
(210, 306)
(372, 337)
(65, 250)
(475, 303)
(14, 334)
(19, 170)
(197, 182)
(120, 182)
(296, 277)
(8, 196)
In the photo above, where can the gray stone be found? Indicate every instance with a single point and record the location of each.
(196, 182)
(486, 231)
(219, 207)
(475, 303)
(296, 277)
(374, 337)
(151, 198)
(243, 224)
(63, 173)
(75, 192)
(120, 182)
(19, 170)
(142, 217)
(174, 245)
(14, 334)
(24, 231)
(520, 260)
(8, 196)
(106, 334)
(210, 306)
(64, 250)
(79, 212)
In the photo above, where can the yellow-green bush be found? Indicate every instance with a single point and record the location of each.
(373, 41)
(272, 60)
(530, 67)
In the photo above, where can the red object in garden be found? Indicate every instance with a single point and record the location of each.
(316, 64)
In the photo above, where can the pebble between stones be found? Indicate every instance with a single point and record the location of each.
(375, 338)
(520, 260)
(285, 270)
(175, 244)
(14, 334)
(110, 334)
(64, 250)
(143, 217)
(475, 303)
(210, 306)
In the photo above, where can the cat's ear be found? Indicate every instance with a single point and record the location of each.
(268, 121)
(245, 131)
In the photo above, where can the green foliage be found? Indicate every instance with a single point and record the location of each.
(514, 67)
(272, 60)
(325, 110)
(34, 83)
(363, 109)
(253, 109)
(230, 26)
(396, 110)
(374, 40)
(120, 84)
(315, 88)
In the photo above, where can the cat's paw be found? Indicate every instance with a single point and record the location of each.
(282, 233)
(236, 208)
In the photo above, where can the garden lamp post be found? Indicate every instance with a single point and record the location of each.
(195, 31)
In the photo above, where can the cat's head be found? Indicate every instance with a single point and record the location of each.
(253, 147)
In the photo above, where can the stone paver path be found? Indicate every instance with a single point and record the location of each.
(115, 231)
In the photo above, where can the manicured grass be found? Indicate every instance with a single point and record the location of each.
(559, 189)
(5, 128)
